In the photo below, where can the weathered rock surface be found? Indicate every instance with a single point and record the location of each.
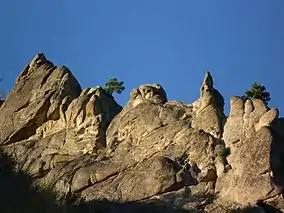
(248, 134)
(83, 145)
(209, 108)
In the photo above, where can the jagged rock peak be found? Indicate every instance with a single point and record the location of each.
(209, 109)
(210, 95)
(39, 91)
(81, 144)
(38, 60)
(208, 80)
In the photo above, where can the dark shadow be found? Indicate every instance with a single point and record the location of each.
(277, 155)
(110, 207)
(18, 195)
(247, 210)
(259, 208)
(268, 208)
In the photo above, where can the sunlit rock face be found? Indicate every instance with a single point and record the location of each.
(208, 109)
(252, 143)
(82, 144)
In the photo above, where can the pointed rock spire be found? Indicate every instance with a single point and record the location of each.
(209, 108)
(38, 60)
(208, 80)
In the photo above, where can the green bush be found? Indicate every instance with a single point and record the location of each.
(221, 150)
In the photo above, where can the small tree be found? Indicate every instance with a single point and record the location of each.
(113, 85)
(258, 91)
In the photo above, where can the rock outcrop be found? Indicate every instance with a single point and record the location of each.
(83, 145)
(248, 134)
(209, 109)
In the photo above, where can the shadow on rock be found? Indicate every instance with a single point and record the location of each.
(110, 207)
(277, 154)
(19, 195)
(262, 207)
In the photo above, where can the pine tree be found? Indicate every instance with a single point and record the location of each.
(113, 85)
(258, 91)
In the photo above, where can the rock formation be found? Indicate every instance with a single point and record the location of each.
(83, 145)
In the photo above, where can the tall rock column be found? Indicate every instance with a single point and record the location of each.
(248, 134)
(209, 108)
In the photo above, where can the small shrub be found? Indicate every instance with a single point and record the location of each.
(221, 150)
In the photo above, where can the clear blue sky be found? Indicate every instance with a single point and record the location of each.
(150, 41)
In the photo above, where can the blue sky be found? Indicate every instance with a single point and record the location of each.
(150, 41)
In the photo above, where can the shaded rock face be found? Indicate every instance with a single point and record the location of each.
(82, 144)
